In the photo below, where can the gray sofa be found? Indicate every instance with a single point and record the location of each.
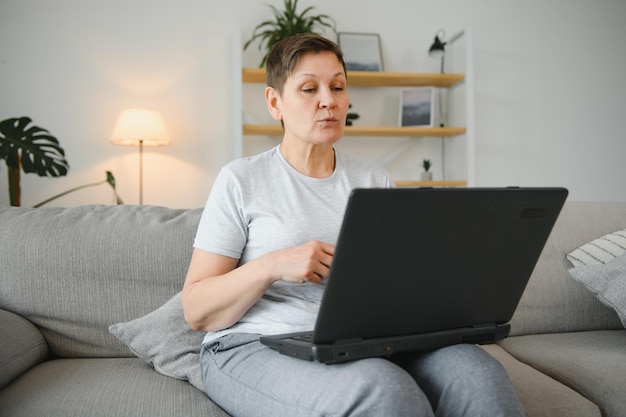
(91, 323)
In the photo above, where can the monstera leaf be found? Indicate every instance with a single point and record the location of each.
(31, 148)
(34, 146)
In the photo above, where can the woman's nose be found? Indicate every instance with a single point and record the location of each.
(326, 98)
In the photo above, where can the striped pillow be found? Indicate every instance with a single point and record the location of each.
(599, 251)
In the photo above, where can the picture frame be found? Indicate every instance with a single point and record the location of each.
(361, 51)
(417, 106)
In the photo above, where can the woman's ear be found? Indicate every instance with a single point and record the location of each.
(272, 99)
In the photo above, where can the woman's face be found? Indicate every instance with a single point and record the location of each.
(315, 100)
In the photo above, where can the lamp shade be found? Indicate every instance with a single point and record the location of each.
(437, 49)
(137, 127)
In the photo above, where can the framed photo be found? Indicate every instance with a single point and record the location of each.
(361, 51)
(417, 106)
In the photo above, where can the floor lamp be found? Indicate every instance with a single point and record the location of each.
(140, 127)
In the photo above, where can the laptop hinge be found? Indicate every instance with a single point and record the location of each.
(346, 341)
(483, 325)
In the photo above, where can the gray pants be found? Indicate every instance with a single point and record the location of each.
(247, 378)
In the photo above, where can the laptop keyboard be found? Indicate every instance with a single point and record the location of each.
(303, 338)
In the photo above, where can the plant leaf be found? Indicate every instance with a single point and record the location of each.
(286, 23)
(36, 149)
(110, 179)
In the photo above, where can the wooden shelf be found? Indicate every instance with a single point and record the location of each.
(276, 130)
(375, 79)
(445, 183)
(383, 80)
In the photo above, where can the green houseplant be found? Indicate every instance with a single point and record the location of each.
(351, 117)
(427, 175)
(286, 23)
(29, 148)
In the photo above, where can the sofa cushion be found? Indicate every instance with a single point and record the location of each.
(74, 271)
(21, 346)
(592, 363)
(607, 282)
(102, 388)
(600, 250)
(540, 395)
(553, 301)
(164, 340)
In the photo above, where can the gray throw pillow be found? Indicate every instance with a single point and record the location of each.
(607, 282)
(164, 339)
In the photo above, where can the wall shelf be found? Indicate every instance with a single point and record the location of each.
(460, 138)
(374, 79)
(276, 130)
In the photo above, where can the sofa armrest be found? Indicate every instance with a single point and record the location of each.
(22, 346)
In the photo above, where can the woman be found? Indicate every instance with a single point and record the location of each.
(263, 248)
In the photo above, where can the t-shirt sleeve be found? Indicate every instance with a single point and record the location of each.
(223, 227)
(386, 178)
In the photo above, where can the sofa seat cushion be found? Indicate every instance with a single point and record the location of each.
(592, 363)
(540, 395)
(21, 346)
(102, 387)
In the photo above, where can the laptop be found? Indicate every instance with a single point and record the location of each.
(416, 269)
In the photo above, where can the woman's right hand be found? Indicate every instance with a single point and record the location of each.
(217, 293)
(309, 262)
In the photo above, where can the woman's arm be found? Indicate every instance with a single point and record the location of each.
(217, 293)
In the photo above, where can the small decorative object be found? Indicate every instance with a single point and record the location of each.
(361, 51)
(31, 149)
(351, 116)
(417, 106)
(287, 23)
(110, 179)
(427, 174)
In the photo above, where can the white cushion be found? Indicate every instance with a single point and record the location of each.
(599, 251)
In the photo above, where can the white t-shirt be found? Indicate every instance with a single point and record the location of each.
(260, 204)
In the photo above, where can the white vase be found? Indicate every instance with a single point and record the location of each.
(427, 176)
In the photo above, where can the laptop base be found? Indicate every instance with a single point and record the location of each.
(296, 345)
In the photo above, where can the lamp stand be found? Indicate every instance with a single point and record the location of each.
(140, 172)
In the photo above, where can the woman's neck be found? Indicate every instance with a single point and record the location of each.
(315, 161)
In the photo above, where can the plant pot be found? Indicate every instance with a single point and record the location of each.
(427, 176)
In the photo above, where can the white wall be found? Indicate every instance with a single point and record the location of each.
(550, 93)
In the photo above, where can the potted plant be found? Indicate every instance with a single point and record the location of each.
(351, 116)
(286, 23)
(427, 174)
(31, 149)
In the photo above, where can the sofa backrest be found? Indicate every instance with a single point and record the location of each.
(74, 271)
(553, 302)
